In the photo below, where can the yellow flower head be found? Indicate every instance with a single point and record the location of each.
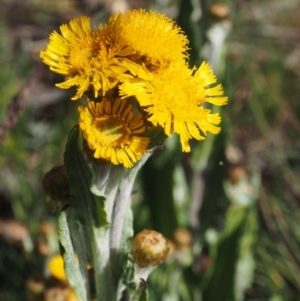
(56, 268)
(113, 131)
(83, 58)
(140, 54)
(96, 61)
(174, 99)
(151, 35)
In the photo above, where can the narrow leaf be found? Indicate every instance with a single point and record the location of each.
(72, 269)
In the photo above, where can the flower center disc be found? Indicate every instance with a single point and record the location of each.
(112, 130)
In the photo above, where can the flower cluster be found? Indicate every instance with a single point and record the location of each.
(134, 73)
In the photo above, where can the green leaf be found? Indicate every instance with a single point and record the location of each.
(72, 269)
(145, 295)
(88, 206)
(157, 177)
(90, 214)
(219, 280)
(190, 28)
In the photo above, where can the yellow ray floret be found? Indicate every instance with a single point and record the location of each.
(174, 99)
(113, 132)
(83, 58)
(149, 34)
(131, 43)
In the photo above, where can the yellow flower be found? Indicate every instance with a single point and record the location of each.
(154, 37)
(83, 58)
(95, 61)
(113, 131)
(140, 54)
(56, 268)
(174, 99)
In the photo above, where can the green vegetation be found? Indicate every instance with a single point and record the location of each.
(237, 193)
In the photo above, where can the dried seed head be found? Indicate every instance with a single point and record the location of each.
(149, 248)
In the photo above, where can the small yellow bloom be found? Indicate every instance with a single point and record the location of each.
(83, 58)
(154, 37)
(174, 99)
(56, 268)
(97, 60)
(113, 131)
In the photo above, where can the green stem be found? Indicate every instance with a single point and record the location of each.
(141, 288)
(101, 219)
(122, 201)
(103, 265)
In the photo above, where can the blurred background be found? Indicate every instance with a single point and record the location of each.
(230, 208)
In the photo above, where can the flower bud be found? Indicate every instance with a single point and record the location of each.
(182, 238)
(149, 248)
(236, 173)
(47, 228)
(13, 231)
(219, 11)
(43, 248)
(35, 286)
